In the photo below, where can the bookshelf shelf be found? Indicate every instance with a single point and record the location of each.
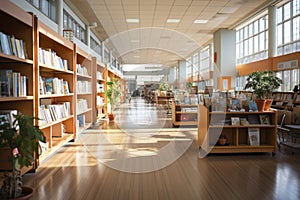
(184, 114)
(4, 99)
(84, 84)
(238, 136)
(55, 122)
(85, 111)
(56, 95)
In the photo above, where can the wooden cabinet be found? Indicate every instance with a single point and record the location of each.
(213, 124)
(184, 114)
(84, 95)
(55, 80)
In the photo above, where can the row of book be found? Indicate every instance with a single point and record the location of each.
(100, 87)
(12, 84)
(12, 46)
(49, 57)
(53, 112)
(84, 87)
(99, 75)
(54, 85)
(81, 105)
(82, 70)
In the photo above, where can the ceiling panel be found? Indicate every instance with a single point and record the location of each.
(152, 34)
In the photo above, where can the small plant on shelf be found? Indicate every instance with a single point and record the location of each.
(19, 146)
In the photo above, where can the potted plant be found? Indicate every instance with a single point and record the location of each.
(163, 87)
(19, 146)
(263, 84)
(113, 93)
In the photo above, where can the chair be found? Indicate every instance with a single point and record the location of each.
(281, 132)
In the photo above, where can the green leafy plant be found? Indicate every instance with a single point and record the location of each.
(263, 84)
(21, 139)
(163, 86)
(113, 92)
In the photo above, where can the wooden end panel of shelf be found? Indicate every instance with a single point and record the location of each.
(202, 125)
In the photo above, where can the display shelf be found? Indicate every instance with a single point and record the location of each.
(100, 78)
(184, 114)
(56, 72)
(241, 138)
(84, 93)
(17, 28)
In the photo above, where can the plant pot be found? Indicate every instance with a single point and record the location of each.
(222, 141)
(111, 117)
(27, 193)
(260, 104)
(268, 103)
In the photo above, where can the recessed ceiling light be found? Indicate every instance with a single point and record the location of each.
(132, 20)
(200, 21)
(173, 20)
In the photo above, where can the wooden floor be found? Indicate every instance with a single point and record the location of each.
(141, 156)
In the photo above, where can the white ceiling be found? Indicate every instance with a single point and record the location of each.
(153, 40)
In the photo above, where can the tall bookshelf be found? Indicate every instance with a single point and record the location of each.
(56, 62)
(17, 26)
(84, 97)
(100, 87)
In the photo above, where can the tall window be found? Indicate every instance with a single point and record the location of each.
(288, 27)
(252, 41)
(205, 64)
(47, 7)
(195, 64)
(71, 24)
(96, 46)
(189, 67)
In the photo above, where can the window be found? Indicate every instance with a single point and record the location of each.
(252, 40)
(288, 23)
(96, 46)
(70, 24)
(189, 67)
(195, 64)
(205, 64)
(47, 7)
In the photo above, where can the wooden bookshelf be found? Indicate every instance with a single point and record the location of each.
(213, 124)
(100, 100)
(58, 127)
(84, 91)
(17, 26)
(184, 114)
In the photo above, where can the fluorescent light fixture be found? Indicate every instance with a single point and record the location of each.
(173, 20)
(132, 20)
(200, 21)
(136, 56)
(134, 41)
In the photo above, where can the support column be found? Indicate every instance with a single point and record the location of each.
(272, 43)
(224, 58)
(60, 18)
(181, 74)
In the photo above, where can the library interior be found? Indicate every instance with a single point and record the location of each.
(150, 99)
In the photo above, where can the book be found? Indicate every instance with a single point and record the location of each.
(49, 85)
(235, 121)
(253, 134)
(244, 122)
(8, 116)
(253, 119)
(264, 119)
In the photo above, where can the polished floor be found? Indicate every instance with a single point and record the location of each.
(141, 156)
